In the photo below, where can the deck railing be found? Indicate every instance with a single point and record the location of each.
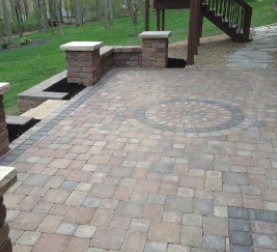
(236, 12)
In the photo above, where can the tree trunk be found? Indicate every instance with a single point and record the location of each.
(18, 13)
(98, 15)
(52, 13)
(26, 8)
(60, 6)
(7, 21)
(108, 13)
(66, 8)
(79, 16)
(43, 11)
(36, 7)
(58, 18)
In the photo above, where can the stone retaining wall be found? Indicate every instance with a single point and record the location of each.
(4, 135)
(88, 61)
(36, 95)
(127, 56)
(106, 59)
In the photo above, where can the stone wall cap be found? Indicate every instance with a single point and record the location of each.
(81, 46)
(106, 50)
(155, 34)
(7, 178)
(4, 87)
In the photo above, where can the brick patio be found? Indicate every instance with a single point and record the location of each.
(152, 160)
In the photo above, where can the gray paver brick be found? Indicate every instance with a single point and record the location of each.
(203, 206)
(129, 209)
(265, 241)
(235, 212)
(214, 242)
(66, 228)
(161, 168)
(152, 246)
(241, 238)
(37, 180)
(239, 225)
(236, 248)
(179, 204)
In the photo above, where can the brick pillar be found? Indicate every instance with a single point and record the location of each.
(4, 136)
(155, 48)
(83, 62)
(7, 179)
(5, 242)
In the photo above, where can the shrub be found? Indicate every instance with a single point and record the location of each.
(24, 41)
(4, 45)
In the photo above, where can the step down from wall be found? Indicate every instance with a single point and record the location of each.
(17, 125)
(44, 110)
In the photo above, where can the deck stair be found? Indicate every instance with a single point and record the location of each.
(233, 17)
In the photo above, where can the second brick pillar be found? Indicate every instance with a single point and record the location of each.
(83, 62)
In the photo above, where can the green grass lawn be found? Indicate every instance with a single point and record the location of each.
(27, 66)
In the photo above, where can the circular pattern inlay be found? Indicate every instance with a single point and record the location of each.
(190, 115)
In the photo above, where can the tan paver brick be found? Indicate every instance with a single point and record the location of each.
(79, 215)
(191, 236)
(78, 244)
(60, 163)
(108, 239)
(50, 223)
(134, 241)
(51, 242)
(102, 217)
(164, 232)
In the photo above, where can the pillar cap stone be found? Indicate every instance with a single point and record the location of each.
(4, 87)
(81, 46)
(7, 178)
(155, 34)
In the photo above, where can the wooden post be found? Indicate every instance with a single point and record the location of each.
(201, 23)
(158, 19)
(198, 24)
(191, 38)
(147, 14)
(247, 23)
(163, 19)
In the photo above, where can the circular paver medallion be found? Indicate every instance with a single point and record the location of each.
(190, 115)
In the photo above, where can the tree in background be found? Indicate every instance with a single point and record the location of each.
(133, 7)
(6, 20)
(32, 15)
(79, 14)
(18, 15)
(26, 8)
(57, 8)
(98, 12)
(43, 14)
(108, 13)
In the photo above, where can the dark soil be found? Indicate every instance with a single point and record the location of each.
(65, 87)
(176, 63)
(16, 131)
